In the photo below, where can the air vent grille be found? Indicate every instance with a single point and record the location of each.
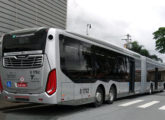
(30, 61)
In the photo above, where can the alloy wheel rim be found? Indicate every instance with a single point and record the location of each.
(98, 96)
(111, 96)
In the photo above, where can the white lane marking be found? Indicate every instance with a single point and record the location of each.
(131, 103)
(162, 108)
(148, 104)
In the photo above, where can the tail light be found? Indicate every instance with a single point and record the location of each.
(51, 83)
(1, 88)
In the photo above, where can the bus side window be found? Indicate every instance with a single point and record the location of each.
(137, 70)
(102, 66)
(76, 60)
(110, 65)
(86, 56)
(70, 58)
(62, 57)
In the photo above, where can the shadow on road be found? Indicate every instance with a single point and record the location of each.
(48, 111)
(17, 106)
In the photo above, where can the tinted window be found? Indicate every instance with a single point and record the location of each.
(83, 62)
(137, 70)
(163, 75)
(150, 72)
(25, 41)
(76, 60)
(111, 65)
(86, 62)
(159, 77)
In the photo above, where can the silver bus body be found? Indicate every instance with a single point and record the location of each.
(0, 62)
(28, 83)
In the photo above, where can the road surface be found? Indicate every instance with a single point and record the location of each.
(143, 107)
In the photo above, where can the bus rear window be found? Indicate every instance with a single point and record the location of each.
(25, 41)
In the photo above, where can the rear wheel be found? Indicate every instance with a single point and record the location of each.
(112, 95)
(98, 97)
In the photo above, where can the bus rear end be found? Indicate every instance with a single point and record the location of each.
(28, 68)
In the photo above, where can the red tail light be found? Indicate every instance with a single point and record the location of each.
(1, 88)
(51, 83)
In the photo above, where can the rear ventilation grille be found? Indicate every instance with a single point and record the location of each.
(30, 61)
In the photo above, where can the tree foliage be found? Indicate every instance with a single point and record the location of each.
(145, 52)
(159, 36)
(136, 47)
(156, 58)
(141, 50)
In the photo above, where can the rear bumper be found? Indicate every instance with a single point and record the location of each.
(30, 98)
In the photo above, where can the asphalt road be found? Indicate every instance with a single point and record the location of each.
(143, 107)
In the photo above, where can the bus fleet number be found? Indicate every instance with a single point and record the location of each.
(84, 90)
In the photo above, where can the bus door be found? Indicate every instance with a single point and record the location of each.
(132, 76)
(156, 78)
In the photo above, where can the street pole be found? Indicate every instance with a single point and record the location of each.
(87, 29)
(128, 41)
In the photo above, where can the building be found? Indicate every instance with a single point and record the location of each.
(18, 14)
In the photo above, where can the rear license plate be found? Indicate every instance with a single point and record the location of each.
(22, 98)
(21, 84)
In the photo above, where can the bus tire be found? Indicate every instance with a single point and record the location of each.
(112, 95)
(98, 97)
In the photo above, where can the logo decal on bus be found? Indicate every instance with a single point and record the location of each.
(22, 79)
(8, 84)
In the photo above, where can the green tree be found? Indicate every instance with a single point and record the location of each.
(141, 50)
(159, 59)
(136, 47)
(159, 36)
(155, 57)
(145, 52)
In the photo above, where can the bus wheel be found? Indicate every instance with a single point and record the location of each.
(151, 90)
(98, 97)
(112, 94)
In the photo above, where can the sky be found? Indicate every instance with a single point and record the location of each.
(111, 20)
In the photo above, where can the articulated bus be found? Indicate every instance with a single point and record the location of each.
(53, 66)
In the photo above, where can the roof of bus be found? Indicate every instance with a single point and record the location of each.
(108, 44)
(105, 43)
(27, 30)
(149, 60)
